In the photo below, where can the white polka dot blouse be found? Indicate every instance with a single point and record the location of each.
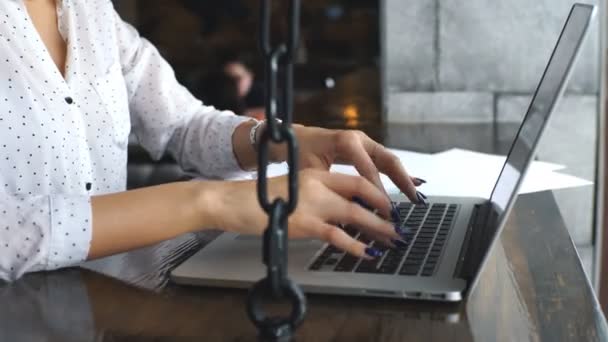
(64, 139)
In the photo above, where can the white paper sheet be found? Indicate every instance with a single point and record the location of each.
(463, 173)
(496, 161)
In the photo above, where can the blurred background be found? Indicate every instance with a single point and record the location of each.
(391, 63)
(213, 46)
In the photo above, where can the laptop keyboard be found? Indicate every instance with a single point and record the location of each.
(426, 232)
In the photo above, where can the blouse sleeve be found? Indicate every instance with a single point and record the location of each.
(166, 117)
(42, 233)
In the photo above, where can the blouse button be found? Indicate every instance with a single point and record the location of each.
(69, 100)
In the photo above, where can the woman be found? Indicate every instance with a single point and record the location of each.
(75, 81)
(232, 86)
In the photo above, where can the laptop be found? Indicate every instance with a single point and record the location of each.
(448, 241)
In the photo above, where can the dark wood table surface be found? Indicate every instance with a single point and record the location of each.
(534, 289)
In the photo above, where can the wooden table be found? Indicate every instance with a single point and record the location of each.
(533, 290)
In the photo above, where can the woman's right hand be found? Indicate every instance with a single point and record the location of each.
(324, 200)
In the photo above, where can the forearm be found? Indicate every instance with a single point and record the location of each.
(142, 217)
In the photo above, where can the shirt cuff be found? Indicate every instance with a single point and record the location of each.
(227, 164)
(71, 230)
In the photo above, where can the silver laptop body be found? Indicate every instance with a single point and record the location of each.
(453, 237)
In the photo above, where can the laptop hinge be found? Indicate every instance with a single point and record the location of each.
(472, 245)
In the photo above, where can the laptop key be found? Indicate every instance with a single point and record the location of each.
(331, 249)
(428, 269)
(321, 258)
(388, 269)
(347, 264)
(331, 261)
(367, 266)
(316, 265)
(389, 266)
(427, 273)
(426, 234)
(409, 270)
(418, 250)
(434, 254)
(413, 262)
(421, 253)
(430, 262)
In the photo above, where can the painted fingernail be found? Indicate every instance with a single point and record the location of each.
(404, 230)
(399, 230)
(361, 202)
(399, 243)
(372, 252)
(395, 214)
(422, 199)
(419, 181)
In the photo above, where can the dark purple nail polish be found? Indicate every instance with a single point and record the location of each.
(362, 203)
(399, 243)
(422, 199)
(395, 214)
(411, 230)
(399, 230)
(372, 252)
(420, 180)
(404, 230)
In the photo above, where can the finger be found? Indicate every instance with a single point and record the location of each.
(390, 243)
(345, 242)
(390, 165)
(352, 151)
(353, 214)
(349, 186)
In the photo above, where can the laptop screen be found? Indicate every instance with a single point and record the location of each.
(543, 103)
(547, 94)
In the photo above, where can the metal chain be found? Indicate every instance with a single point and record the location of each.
(274, 254)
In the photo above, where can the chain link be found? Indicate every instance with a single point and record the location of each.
(276, 284)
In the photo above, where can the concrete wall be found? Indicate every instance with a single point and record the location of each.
(479, 61)
(473, 49)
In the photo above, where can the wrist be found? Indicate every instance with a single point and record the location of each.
(278, 152)
(206, 202)
(244, 152)
(230, 206)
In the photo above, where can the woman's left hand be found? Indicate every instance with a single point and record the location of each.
(320, 148)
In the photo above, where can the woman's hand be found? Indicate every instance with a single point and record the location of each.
(324, 199)
(319, 148)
